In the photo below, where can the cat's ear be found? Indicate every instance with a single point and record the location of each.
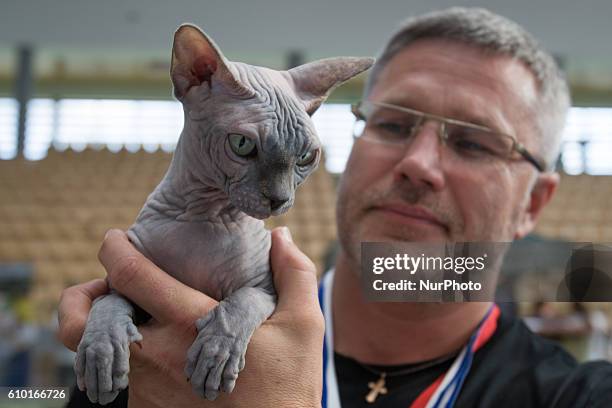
(313, 82)
(197, 59)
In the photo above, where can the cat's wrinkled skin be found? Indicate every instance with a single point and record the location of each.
(203, 223)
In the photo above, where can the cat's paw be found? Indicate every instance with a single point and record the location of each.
(102, 360)
(216, 356)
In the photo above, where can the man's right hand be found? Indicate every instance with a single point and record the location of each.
(283, 361)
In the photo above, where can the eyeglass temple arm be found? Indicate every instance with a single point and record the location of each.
(529, 157)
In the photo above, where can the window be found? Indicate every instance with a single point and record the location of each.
(151, 125)
(114, 124)
(8, 128)
(587, 140)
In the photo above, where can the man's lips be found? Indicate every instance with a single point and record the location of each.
(411, 212)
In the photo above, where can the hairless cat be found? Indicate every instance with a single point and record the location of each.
(247, 143)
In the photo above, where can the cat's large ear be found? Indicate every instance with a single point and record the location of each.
(197, 59)
(313, 82)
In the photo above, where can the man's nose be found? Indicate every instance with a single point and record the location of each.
(421, 162)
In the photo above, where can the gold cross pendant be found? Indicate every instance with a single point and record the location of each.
(377, 388)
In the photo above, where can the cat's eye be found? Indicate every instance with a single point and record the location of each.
(307, 158)
(241, 145)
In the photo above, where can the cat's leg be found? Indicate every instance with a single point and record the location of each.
(217, 354)
(103, 355)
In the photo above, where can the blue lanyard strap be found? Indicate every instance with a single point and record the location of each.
(324, 395)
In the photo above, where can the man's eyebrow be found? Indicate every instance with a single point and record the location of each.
(476, 119)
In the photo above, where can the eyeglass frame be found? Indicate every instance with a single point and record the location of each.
(423, 117)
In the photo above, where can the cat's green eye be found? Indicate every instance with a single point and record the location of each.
(241, 145)
(307, 158)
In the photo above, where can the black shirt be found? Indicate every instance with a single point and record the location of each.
(353, 381)
(515, 368)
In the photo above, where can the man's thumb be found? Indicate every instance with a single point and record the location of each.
(295, 275)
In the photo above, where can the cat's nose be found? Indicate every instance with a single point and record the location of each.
(276, 203)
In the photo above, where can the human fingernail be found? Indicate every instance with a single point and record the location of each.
(286, 234)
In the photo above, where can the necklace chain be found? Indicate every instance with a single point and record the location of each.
(409, 370)
(379, 387)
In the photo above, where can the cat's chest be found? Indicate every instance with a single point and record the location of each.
(213, 257)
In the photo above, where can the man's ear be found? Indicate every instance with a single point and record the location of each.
(313, 82)
(541, 193)
(197, 59)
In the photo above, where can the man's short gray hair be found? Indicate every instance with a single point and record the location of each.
(498, 35)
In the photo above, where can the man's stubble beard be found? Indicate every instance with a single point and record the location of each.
(352, 212)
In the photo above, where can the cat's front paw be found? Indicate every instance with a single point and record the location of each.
(102, 360)
(216, 356)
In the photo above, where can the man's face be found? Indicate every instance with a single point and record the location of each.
(419, 192)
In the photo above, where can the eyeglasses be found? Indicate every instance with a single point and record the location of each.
(396, 125)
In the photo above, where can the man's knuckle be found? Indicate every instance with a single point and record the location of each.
(104, 246)
(304, 275)
(67, 293)
(300, 258)
(70, 332)
(309, 265)
(312, 320)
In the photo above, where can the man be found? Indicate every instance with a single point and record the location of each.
(463, 115)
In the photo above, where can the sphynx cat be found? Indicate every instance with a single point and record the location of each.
(248, 142)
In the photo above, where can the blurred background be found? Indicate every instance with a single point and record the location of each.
(88, 126)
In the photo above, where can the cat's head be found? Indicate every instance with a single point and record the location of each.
(248, 129)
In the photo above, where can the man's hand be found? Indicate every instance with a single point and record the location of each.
(73, 310)
(283, 361)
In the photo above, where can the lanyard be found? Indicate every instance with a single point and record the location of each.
(442, 393)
